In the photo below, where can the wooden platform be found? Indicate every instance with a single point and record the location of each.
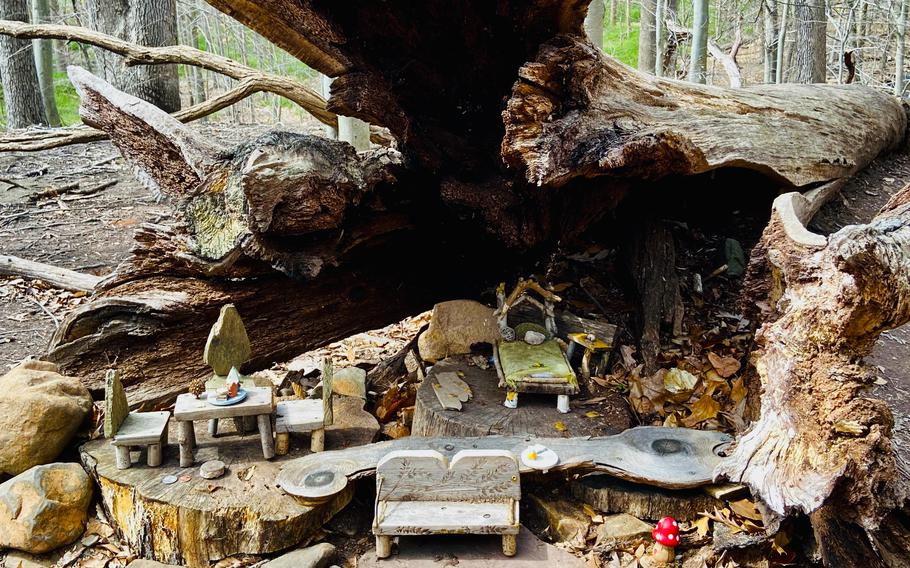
(196, 521)
(485, 414)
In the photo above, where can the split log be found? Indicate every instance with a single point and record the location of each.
(485, 415)
(53, 275)
(822, 445)
(675, 458)
(611, 495)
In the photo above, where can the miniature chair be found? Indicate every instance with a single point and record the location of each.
(307, 415)
(418, 492)
(132, 429)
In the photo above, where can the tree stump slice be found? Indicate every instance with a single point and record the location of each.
(190, 523)
(611, 495)
(485, 414)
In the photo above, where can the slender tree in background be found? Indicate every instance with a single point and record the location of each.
(769, 39)
(594, 22)
(781, 43)
(646, 46)
(698, 61)
(21, 92)
(660, 36)
(146, 22)
(809, 17)
(899, 50)
(44, 62)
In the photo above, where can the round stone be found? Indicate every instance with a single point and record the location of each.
(212, 469)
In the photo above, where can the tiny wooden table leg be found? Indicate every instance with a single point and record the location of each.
(317, 440)
(186, 438)
(509, 544)
(282, 443)
(213, 427)
(123, 457)
(383, 546)
(265, 432)
(153, 457)
(586, 364)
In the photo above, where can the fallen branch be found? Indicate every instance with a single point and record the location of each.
(53, 275)
(251, 81)
(728, 60)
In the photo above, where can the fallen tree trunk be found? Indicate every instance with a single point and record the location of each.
(821, 445)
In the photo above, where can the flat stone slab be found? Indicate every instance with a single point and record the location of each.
(471, 551)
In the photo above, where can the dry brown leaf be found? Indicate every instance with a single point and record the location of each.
(746, 508)
(677, 381)
(725, 366)
(704, 408)
(702, 525)
(738, 393)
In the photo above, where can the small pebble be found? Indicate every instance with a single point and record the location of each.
(212, 469)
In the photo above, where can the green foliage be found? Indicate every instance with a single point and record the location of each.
(67, 101)
(619, 44)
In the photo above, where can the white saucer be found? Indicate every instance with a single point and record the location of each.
(546, 458)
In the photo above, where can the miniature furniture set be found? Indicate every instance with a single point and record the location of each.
(306, 415)
(132, 429)
(420, 492)
(529, 357)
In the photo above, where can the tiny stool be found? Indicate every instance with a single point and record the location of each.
(141, 429)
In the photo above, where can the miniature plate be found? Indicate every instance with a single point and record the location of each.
(539, 457)
(241, 396)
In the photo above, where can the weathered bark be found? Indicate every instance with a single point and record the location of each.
(577, 114)
(21, 92)
(646, 43)
(152, 24)
(809, 18)
(821, 444)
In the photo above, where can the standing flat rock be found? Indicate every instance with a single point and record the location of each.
(350, 381)
(115, 406)
(228, 345)
(44, 508)
(40, 411)
(455, 326)
(471, 551)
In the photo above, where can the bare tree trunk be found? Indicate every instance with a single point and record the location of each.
(809, 16)
(660, 36)
(769, 23)
(646, 44)
(614, 9)
(21, 91)
(594, 21)
(699, 59)
(780, 76)
(44, 61)
(899, 50)
(147, 23)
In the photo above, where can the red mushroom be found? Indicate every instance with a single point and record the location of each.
(666, 538)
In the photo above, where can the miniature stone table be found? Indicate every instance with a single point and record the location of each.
(259, 403)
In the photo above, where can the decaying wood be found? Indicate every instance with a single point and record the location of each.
(821, 444)
(53, 275)
(675, 458)
(485, 414)
(576, 113)
(196, 522)
(611, 495)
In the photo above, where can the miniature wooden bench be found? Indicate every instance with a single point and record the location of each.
(418, 492)
(308, 415)
(132, 429)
